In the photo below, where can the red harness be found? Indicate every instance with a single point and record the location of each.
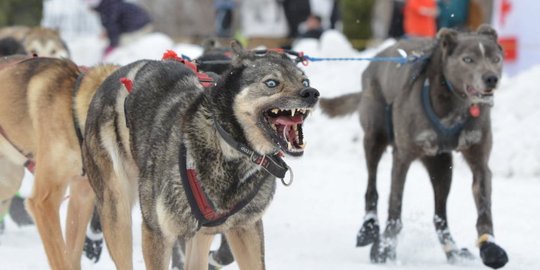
(205, 80)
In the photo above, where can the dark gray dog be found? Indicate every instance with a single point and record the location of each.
(426, 110)
(203, 161)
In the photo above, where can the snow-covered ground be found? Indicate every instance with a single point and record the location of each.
(313, 224)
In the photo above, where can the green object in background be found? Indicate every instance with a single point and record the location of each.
(356, 18)
(21, 12)
(453, 13)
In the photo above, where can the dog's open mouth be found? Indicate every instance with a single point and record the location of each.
(477, 96)
(286, 128)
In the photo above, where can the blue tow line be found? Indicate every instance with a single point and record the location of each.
(400, 60)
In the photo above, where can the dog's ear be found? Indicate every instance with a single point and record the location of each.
(448, 39)
(487, 31)
(239, 53)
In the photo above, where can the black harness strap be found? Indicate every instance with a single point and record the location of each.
(272, 164)
(201, 206)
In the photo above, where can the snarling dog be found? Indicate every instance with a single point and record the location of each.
(215, 59)
(40, 41)
(43, 104)
(202, 161)
(427, 110)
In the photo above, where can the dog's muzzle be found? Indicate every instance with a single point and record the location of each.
(310, 95)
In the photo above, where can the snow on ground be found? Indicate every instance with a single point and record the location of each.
(313, 224)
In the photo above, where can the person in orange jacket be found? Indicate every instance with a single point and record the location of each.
(420, 18)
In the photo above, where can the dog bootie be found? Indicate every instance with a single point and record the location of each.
(383, 250)
(18, 212)
(93, 243)
(458, 255)
(220, 257)
(368, 233)
(492, 255)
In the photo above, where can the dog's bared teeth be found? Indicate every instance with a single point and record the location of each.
(293, 112)
(289, 145)
(274, 127)
(275, 111)
(302, 146)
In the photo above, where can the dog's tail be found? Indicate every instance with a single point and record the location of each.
(342, 105)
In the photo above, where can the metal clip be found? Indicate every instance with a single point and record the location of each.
(291, 177)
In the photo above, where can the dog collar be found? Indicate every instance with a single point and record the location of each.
(272, 164)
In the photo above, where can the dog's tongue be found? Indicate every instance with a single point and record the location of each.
(288, 120)
(284, 125)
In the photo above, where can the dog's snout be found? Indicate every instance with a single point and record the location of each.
(310, 94)
(490, 80)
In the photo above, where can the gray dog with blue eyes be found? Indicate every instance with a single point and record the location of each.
(425, 110)
(202, 160)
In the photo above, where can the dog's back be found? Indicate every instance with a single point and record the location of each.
(376, 82)
(24, 96)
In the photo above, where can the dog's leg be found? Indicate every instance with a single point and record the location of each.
(440, 173)
(197, 249)
(374, 146)
(157, 249)
(385, 247)
(115, 215)
(49, 188)
(178, 254)
(81, 205)
(247, 244)
(477, 158)
(11, 176)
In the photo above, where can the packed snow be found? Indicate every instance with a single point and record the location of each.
(313, 223)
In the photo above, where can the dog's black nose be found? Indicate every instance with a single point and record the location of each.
(310, 94)
(490, 80)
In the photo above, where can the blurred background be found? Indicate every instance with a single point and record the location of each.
(278, 23)
(313, 224)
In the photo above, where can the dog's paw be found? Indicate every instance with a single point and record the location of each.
(459, 255)
(383, 250)
(219, 258)
(368, 233)
(18, 212)
(92, 247)
(492, 255)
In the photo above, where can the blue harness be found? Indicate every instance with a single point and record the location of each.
(447, 136)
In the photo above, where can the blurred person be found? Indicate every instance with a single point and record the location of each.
(335, 15)
(453, 14)
(124, 22)
(224, 17)
(296, 11)
(396, 23)
(313, 27)
(419, 18)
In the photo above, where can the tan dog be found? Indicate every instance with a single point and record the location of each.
(44, 42)
(42, 101)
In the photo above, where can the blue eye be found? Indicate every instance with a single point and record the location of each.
(305, 83)
(467, 60)
(271, 83)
